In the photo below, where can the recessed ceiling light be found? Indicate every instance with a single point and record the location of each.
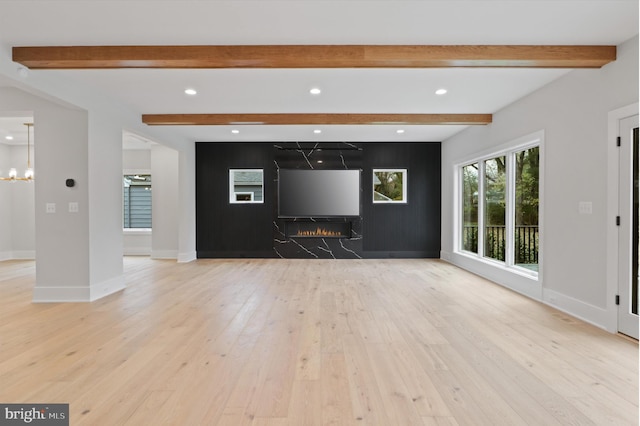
(400, 131)
(315, 91)
(441, 91)
(190, 91)
(320, 161)
(9, 138)
(317, 131)
(235, 131)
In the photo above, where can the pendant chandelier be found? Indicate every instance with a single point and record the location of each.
(28, 174)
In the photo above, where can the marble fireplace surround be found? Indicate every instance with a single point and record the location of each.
(320, 237)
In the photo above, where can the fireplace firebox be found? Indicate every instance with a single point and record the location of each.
(310, 229)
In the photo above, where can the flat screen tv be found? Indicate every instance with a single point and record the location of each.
(318, 193)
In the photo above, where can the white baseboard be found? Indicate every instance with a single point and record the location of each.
(187, 257)
(42, 294)
(24, 255)
(592, 314)
(105, 288)
(18, 255)
(164, 254)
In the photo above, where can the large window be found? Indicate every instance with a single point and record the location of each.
(499, 208)
(136, 197)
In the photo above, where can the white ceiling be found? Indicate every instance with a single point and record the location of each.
(96, 22)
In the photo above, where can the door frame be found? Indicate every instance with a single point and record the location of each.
(627, 322)
(613, 202)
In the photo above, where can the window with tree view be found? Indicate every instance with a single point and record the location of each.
(500, 195)
(495, 203)
(527, 192)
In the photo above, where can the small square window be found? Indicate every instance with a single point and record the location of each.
(246, 186)
(390, 186)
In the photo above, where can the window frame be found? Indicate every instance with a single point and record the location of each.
(233, 194)
(508, 150)
(405, 185)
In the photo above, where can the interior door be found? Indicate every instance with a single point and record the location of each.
(628, 232)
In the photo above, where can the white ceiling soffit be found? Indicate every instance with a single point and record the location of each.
(210, 22)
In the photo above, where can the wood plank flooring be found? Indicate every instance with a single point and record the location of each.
(295, 342)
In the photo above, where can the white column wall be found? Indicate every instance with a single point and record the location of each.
(187, 197)
(105, 205)
(165, 202)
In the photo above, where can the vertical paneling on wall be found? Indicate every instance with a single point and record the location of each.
(232, 230)
(403, 230)
(246, 230)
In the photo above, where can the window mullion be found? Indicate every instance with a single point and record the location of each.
(481, 204)
(458, 239)
(510, 209)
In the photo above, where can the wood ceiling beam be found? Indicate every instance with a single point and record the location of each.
(314, 56)
(314, 119)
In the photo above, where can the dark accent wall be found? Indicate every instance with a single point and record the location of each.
(403, 230)
(252, 230)
(232, 230)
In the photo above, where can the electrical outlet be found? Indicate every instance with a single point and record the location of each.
(73, 207)
(51, 207)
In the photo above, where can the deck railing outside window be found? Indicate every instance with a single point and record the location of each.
(526, 243)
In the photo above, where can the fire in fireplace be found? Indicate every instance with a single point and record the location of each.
(318, 232)
(307, 229)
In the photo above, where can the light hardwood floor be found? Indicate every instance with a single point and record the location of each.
(298, 342)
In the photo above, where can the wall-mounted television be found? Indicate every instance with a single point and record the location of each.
(318, 193)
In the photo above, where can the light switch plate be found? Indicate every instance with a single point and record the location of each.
(585, 207)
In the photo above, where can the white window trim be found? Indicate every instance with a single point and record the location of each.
(405, 184)
(136, 231)
(233, 192)
(476, 262)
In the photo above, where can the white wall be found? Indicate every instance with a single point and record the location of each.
(23, 241)
(6, 247)
(79, 255)
(573, 112)
(62, 245)
(136, 160)
(17, 211)
(165, 202)
(186, 200)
